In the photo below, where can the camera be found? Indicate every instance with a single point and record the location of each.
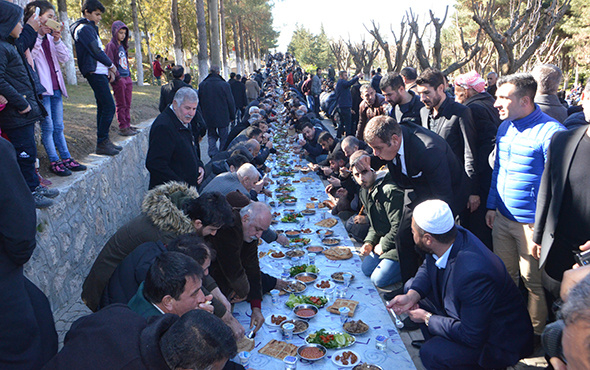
(582, 258)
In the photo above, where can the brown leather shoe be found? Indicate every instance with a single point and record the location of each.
(127, 131)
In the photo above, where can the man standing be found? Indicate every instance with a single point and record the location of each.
(409, 75)
(218, 107)
(406, 104)
(157, 69)
(373, 105)
(521, 150)
(344, 102)
(453, 122)
(470, 91)
(98, 69)
(548, 79)
(238, 91)
(316, 90)
(491, 88)
(471, 312)
(562, 217)
(172, 154)
(168, 91)
(421, 161)
(376, 80)
(252, 89)
(331, 74)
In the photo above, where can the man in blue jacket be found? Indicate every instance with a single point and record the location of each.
(471, 313)
(98, 69)
(344, 102)
(521, 152)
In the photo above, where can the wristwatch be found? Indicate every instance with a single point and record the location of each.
(427, 318)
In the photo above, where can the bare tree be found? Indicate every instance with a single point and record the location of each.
(383, 44)
(203, 54)
(340, 51)
(178, 52)
(530, 25)
(70, 65)
(137, 39)
(362, 56)
(402, 46)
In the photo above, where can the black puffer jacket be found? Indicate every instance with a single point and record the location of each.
(16, 76)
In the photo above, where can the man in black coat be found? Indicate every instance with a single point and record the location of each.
(27, 332)
(470, 91)
(453, 122)
(172, 153)
(118, 338)
(238, 91)
(218, 107)
(421, 161)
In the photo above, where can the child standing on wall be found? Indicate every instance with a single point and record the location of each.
(48, 53)
(116, 50)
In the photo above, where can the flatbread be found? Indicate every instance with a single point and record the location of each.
(246, 344)
(338, 253)
(328, 222)
(310, 205)
(277, 349)
(306, 179)
(343, 303)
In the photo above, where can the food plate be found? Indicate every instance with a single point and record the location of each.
(327, 284)
(331, 241)
(349, 339)
(346, 358)
(296, 287)
(300, 325)
(337, 276)
(277, 255)
(324, 233)
(355, 327)
(303, 352)
(270, 320)
(295, 253)
(278, 349)
(308, 212)
(292, 233)
(306, 277)
(315, 249)
(305, 311)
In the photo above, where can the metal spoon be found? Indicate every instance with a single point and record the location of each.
(398, 323)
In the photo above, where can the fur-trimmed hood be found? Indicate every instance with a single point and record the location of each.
(163, 206)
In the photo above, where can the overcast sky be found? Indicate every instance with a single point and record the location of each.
(345, 18)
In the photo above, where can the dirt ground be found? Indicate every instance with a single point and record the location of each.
(80, 120)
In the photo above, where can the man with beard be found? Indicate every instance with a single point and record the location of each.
(373, 105)
(172, 154)
(383, 202)
(471, 312)
(470, 91)
(453, 122)
(405, 104)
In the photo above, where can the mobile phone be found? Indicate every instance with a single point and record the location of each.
(301, 137)
(54, 25)
(37, 12)
(582, 258)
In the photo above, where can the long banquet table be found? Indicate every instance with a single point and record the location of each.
(370, 309)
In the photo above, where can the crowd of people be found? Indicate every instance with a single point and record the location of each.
(467, 193)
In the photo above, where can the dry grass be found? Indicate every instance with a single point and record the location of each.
(80, 119)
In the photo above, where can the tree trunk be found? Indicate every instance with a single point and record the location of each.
(203, 55)
(223, 38)
(70, 65)
(214, 32)
(237, 50)
(242, 44)
(178, 53)
(137, 38)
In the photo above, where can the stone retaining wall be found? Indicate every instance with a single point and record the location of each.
(91, 207)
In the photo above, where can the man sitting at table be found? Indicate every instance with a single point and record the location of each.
(312, 149)
(342, 188)
(382, 201)
(245, 180)
(118, 338)
(236, 269)
(471, 312)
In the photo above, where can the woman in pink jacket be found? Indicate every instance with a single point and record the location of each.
(48, 52)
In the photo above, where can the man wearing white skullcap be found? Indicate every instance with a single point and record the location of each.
(471, 312)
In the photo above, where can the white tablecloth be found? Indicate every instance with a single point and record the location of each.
(370, 309)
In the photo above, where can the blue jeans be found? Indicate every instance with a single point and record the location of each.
(105, 105)
(52, 127)
(383, 272)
